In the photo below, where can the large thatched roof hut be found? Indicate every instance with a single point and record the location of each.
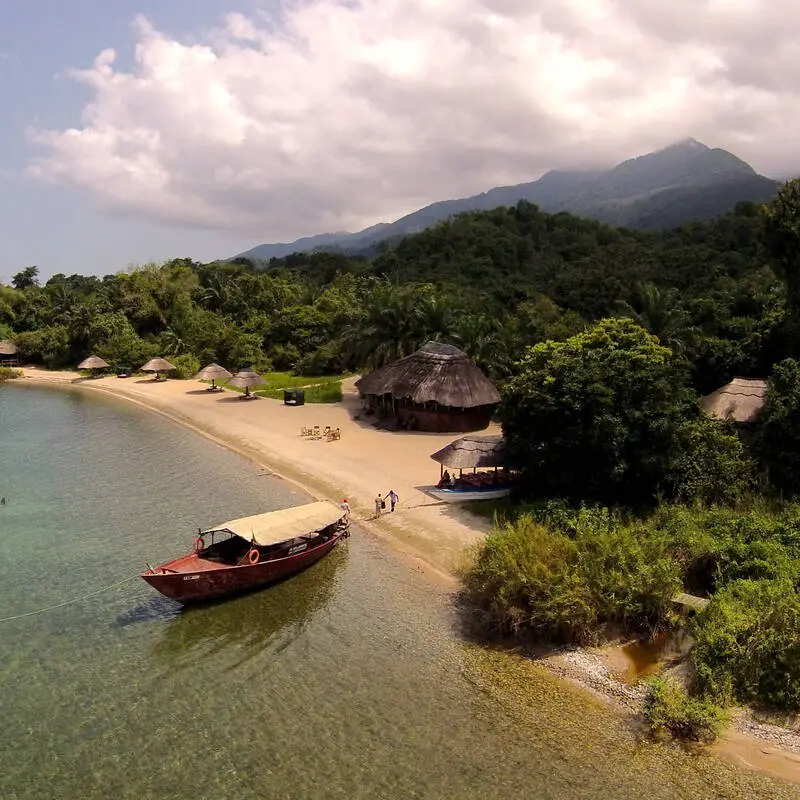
(437, 388)
(8, 353)
(738, 401)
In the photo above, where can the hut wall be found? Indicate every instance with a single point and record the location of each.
(446, 420)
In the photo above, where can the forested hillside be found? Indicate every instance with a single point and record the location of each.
(491, 282)
(685, 182)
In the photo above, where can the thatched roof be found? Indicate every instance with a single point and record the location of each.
(7, 348)
(246, 379)
(93, 362)
(157, 365)
(473, 451)
(739, 401)
(436, 373)
(212, 372)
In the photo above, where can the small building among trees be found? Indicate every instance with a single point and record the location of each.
(436, 388)
(737, 401)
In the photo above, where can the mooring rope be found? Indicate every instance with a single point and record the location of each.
(69, 602)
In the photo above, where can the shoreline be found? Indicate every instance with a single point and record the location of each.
(428, 535)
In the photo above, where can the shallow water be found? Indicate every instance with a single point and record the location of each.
(348, 681)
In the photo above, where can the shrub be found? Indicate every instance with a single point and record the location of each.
(8, 373)
(668, 708)
(186, 366)
(531, 579)
(525, 578)
(748, 644)
(711, 465)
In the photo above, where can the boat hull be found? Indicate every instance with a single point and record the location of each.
(469, 495)
(193, 579)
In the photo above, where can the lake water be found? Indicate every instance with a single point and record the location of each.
(348, 681)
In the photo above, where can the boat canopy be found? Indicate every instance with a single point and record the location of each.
(280, 526)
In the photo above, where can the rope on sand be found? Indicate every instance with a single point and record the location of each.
(69, 602)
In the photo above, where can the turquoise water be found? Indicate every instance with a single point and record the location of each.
(348, 681)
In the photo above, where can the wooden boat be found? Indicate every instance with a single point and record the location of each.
(250, 552)
(467, 494)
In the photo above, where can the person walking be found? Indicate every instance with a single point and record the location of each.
(345, 506)
(392, 497)
(380, 504)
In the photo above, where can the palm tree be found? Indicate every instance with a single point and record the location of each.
(658, 311)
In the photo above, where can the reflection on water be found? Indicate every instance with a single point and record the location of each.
(346, 681)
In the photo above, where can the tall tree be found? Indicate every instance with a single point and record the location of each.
(596, 416)
(782, 232)
(26, 278)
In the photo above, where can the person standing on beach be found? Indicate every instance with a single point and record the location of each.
(379, 505)
(392, 497)
(345, 506)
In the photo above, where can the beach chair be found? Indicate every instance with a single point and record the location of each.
(305, 431)
(316, 434)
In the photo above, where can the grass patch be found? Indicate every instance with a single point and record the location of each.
(9, 373)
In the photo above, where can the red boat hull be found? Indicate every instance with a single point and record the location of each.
(193, 579)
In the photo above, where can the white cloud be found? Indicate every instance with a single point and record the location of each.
(335, 114)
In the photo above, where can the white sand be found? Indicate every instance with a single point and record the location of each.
(362, 463)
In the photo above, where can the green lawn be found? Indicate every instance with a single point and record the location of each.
(318, 389)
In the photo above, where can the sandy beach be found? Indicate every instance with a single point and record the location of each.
(365, 461)
(430, 535)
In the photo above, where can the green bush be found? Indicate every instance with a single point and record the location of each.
(186, 366)
(528, 579)
(711, 464)
(8, 373)
(669, 709)
(748, 644)
(49, 346)
(715, 546)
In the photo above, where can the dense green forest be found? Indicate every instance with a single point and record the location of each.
(490, 282)
(601, 340)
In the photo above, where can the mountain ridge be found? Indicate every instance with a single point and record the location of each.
(686, 181)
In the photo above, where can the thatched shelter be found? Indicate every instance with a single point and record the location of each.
(93, 363)
(473, 452)
(738, 401)
(437, 388)
(157, 365)
(8, 354)
(213, 372)
(247, 380)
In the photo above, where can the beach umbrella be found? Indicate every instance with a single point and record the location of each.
(157, 365)
(213, 372)
(93, 363)
(246, 379)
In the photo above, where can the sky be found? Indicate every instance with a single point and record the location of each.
(136, 130)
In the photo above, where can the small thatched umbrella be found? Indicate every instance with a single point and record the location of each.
(8, 352)
(246, 379)
(93, 364)
(213, 372)
(739, 401)
(157, 365)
